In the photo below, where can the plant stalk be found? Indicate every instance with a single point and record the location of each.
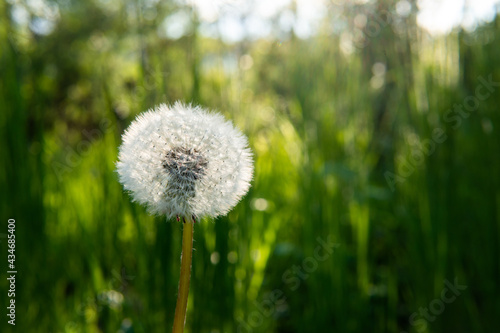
(185, 277)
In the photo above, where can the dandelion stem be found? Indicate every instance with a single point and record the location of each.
(186, 256)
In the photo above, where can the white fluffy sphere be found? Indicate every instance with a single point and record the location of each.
(181, 160)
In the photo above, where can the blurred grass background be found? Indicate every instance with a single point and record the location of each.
(333, 120)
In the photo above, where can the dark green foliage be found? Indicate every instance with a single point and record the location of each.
(369, 193)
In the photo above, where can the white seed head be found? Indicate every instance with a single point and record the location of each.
(181, 160)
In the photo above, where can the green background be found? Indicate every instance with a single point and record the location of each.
(355, 141)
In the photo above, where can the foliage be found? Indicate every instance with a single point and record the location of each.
(346, 150)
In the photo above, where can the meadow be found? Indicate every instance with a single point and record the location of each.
(375, 203)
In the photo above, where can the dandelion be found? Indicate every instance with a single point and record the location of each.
(185, 162)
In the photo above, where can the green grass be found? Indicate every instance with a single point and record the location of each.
(323, 139)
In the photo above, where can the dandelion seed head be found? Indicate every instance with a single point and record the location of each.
(183, 160)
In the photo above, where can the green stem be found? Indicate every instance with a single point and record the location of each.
(186, 256)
